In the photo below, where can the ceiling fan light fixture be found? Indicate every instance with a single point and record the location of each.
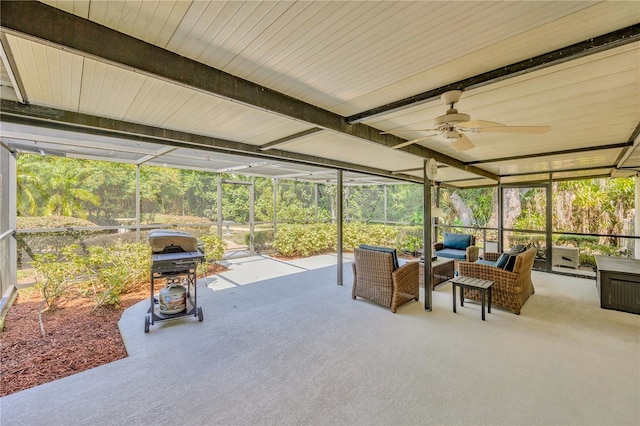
(451, 136)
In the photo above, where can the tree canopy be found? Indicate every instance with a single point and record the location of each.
(103, 191)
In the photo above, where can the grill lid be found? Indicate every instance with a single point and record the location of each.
(170, 241)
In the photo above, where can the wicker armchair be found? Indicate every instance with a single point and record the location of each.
(375, 279)
(510, 289)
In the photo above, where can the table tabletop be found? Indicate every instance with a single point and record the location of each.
(472, 282)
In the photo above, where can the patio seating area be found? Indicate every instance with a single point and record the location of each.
(281, 343)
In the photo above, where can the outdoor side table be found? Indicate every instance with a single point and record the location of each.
(471, 283)
(442, 269)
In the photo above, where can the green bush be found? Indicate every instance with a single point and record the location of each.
(305, 240)
(410, 239)
(528, 240)
(575, 239)
(102, 273)
(214, 247)
(356, 233)
(116, 269)
(50, 277)
(261, 239)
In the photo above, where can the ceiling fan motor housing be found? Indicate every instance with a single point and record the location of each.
(451, 117)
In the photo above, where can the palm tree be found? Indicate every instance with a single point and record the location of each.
(29, 185)
(65, 195)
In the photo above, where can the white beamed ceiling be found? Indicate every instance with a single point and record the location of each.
(347, 57)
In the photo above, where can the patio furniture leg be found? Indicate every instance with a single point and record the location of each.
(453, 289)
(489, 307)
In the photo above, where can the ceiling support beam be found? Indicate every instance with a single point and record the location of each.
(10, 65)
(624, 155)
(587, 47)
(546, 172)
(549, 154)
(42, 23)
(290, 138)
(159, 153)
(38, 116)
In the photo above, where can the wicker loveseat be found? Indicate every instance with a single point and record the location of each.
(511, 289)
(378, 277)
(457, 246)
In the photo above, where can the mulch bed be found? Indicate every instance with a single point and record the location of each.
(77, 338)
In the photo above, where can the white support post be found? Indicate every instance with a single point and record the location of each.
(315, 202)
(138, 202)
(637, 221)
(8, 213)
(252, 247)
(385, 203)
(339, 218)
(275, 206)
(219, 204)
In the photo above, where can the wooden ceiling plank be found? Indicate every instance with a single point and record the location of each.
(41, 22)
(594, 45)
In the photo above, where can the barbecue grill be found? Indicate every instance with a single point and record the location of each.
(174, 259)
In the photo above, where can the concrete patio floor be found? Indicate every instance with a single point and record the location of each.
(281, 343)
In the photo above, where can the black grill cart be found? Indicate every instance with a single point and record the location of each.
(174, 261)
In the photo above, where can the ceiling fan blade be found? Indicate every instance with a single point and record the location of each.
(411, 142)
(514, 129)
(388, 132)
(476, 124)
(463, 143)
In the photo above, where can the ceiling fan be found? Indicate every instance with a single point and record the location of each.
(453, 125)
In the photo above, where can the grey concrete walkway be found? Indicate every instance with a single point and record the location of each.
(281, 343)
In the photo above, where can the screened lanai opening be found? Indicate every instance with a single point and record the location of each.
(569, 222)
(62, 202)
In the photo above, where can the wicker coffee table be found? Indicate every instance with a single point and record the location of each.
(442, 269)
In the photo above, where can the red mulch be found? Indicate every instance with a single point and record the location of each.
(77, 338)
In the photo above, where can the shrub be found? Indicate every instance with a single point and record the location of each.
(528, 240)
(356, 233)
(103, 273)
(304, 240)
(576, 239)
(409, 239)
(261, 239)
(116, 269)
(50, 277)
(214, 247)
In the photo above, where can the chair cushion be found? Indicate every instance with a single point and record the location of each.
(452, 253)
(456, 241)
(394, 252)
(485, 262)
(502, 260)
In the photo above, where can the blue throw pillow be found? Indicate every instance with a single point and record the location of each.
(394, 252)
(456, 241)
(511, 262)
(502, 261)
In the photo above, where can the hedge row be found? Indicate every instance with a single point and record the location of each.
(307, 240)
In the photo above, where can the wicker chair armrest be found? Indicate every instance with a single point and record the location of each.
(405, 278)
(472, 253)
(491, 256)
(501, 277)
(438, 246)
